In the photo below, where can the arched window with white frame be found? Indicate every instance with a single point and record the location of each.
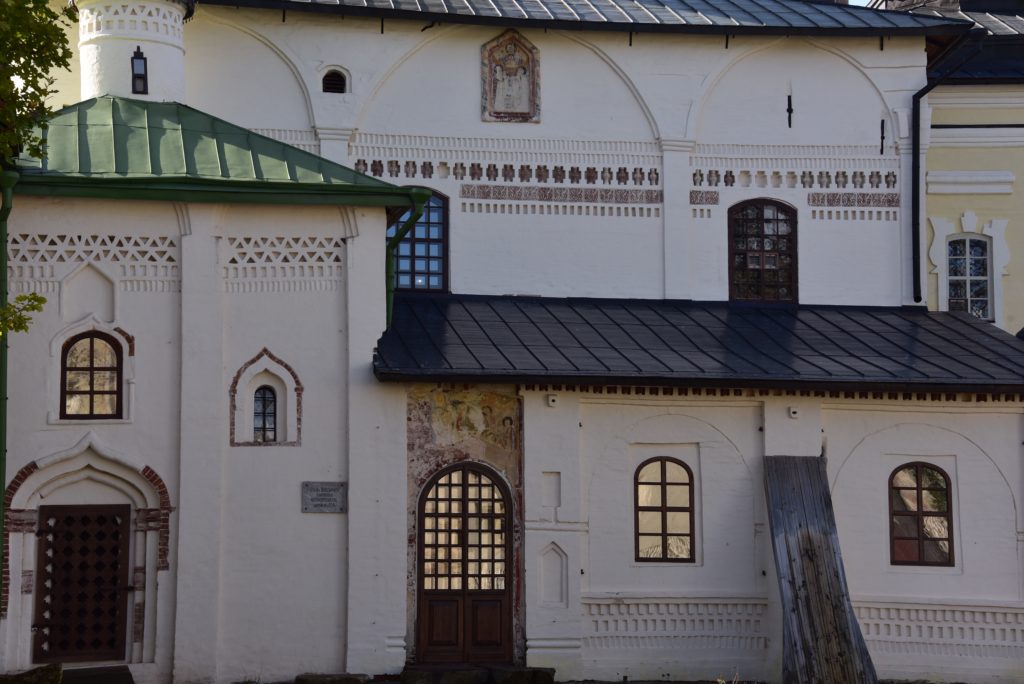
(969, 274)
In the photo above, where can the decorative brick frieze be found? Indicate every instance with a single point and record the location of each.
(535, 193)
(674, 624)
(853, 199)
(284, 264)
(703, 197)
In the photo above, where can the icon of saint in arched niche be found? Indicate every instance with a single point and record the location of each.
(511, 88)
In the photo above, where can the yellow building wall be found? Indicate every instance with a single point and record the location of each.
(981, 150)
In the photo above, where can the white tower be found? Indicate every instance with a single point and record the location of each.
(133, 48)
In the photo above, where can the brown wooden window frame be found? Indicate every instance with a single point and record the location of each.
(264, 411)
(664, 509)
(422, 234)
(117, 369)
(919, 515)
(736, 220)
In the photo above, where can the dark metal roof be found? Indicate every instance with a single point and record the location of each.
(466, 338)
(789, 17)
(994, 23)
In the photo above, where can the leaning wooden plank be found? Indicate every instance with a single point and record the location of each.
(822, 642)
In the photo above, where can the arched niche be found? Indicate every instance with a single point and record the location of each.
(266, 369)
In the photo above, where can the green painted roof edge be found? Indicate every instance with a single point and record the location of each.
(128, 172)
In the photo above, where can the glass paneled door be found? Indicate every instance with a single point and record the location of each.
(464, 568)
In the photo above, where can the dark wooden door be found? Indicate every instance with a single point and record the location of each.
(82, 584)
(465, 569)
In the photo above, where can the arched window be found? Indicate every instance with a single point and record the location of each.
(762, 252)
(421, 261)
(664, 511)
(90, 373)
(264, 414)
(921, 516)
(969, 275)
(334, 82)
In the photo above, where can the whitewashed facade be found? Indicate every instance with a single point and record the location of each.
(233, 581)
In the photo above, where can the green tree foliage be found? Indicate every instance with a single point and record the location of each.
(14, 316)
(32, 45)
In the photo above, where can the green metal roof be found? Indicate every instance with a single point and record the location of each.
(133, 149)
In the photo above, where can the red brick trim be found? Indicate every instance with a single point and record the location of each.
(233, 396)
(163, 550)
(13, 523)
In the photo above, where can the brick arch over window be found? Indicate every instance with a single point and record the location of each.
(266, 369)
(763, 251)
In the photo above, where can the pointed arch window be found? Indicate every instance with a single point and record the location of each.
(920, 516)
(91, 370)
(264, 414)
(421, 259)
(762, 252)
(664, 511)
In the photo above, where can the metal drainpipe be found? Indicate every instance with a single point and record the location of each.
(8, 179)
(915, 162)
(419, 199)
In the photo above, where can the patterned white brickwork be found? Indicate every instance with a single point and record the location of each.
(283, 264)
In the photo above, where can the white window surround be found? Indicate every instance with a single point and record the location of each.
(266, 369)
(55, 379)
(999, 255)
(970, 182)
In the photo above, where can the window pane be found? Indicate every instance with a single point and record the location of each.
(904, 525)
(77, 381)
(78, 355)
(649, 522)
(104, 380)
(649, 495)
(957, 289)
(650, 547)
(934, 500)
(936, 552)
(103, 354)
(678, 495)
(905, 550)
(104, 404)
(932, 479)
(935, 527)
(906, 477)
(650, 472)
(77, 404)
(678, 523)
(957, 267)
(979, 248)
(957, 248)
(675, 472)
(904, 500)
(979, 268)
(679, 547)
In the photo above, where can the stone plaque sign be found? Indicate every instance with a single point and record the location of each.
(324, 497)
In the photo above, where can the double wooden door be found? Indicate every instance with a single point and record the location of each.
(82, 584)
(464, 611)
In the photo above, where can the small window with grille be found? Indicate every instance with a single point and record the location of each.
(264, 414)
(421, 259)
(335, 82)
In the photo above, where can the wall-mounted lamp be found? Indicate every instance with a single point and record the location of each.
(140, 75)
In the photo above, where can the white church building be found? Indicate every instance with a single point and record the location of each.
(566, 334)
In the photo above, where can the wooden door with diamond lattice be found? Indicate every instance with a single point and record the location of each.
(82, 586)
(464, 611)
